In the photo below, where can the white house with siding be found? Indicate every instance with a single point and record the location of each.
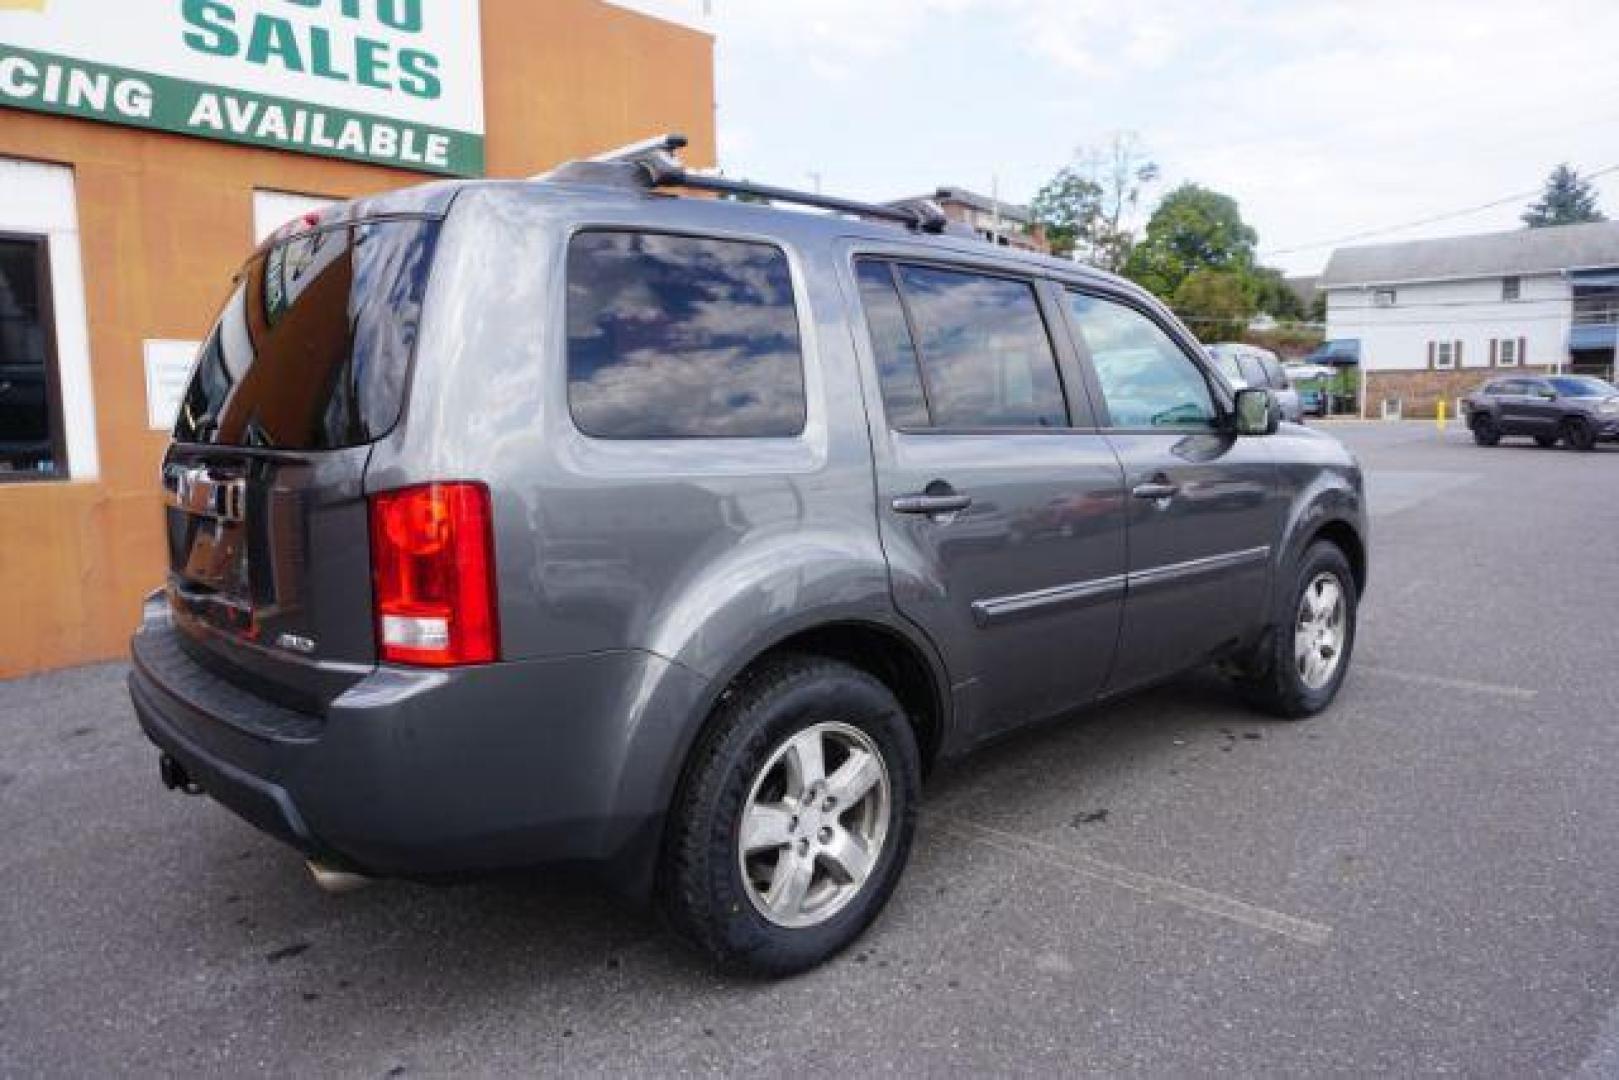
(1433, 317)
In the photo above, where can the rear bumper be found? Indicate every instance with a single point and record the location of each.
(427, 773)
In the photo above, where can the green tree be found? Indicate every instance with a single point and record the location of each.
(1192, 229)
(1567, 199)
(1275, 297)
(1084, 208)
(1216, 303)
(1122, 170)
(1067, 207)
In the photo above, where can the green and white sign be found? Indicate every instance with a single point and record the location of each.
(392, 82)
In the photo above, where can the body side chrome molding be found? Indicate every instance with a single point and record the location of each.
(997, 609)
(1001, 608)
(1191, 568)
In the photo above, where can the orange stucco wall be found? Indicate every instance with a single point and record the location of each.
(163, 219)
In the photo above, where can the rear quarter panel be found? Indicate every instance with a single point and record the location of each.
(694, 549)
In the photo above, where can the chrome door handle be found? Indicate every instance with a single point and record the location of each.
(931, 504)
(1155, 489)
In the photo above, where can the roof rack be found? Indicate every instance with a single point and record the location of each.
(651, 163)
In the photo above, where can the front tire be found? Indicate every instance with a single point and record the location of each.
(1305, 655)
(795, 818)
(1486, 432)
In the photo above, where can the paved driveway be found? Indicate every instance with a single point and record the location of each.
(1425, 879)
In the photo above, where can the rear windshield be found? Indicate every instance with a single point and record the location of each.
(313, 348)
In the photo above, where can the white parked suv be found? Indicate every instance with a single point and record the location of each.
(1249, 365)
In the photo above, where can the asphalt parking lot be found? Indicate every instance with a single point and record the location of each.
(1425, 879)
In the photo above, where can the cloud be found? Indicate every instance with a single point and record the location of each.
(1321, 118)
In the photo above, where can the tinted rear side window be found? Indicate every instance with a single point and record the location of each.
(681, 337)
(986, 357)
(903, 399)
(313, 349)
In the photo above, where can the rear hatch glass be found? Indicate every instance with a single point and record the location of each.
(312, 350)
(308, 364)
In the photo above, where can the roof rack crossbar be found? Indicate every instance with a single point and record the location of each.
(655, 165)
(907, 216)
(667, 143)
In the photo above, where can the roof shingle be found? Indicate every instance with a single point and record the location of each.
(1523, 251)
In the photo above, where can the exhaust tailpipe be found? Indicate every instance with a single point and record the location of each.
(336, 881)
(174, 776)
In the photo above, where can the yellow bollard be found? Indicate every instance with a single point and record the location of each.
(1439, 416)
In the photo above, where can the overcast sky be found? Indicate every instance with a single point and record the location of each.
(1321, 119)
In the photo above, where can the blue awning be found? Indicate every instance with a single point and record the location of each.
(1595, 278)
(1593, 336)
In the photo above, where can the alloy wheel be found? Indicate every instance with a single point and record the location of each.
(1320, 630)
(814, 824)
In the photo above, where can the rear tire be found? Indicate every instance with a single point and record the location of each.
(1578, 434)
(1302, 661)
(771, 863)
(1486, 432)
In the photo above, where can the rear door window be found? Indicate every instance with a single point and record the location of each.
(1274, 372)
(1253, 372)
(313, 349)
(987, 360)
(674, 337)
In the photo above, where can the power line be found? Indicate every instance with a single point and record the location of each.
(1447, 216)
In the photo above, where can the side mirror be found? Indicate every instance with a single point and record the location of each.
(1257, 411)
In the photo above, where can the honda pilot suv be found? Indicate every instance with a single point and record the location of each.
(572, 522)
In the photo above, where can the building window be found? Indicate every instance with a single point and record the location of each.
(1445, 354)
(1507, 352)
(31, 437)
(273, 209)
(1511, 287)
(1382, 297)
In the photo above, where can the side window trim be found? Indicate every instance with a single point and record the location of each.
(1093, 381)
(1033, 284)
(892, 265)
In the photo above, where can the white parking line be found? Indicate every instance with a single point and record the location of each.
(1519, 693)
(1157, 888)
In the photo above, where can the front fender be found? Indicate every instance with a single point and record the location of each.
(1324, 489)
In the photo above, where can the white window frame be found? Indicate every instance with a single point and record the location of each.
(1503, 347)
(273, 209)
(1511, 288)
(1444, 356)
(1385, 297)
(40, 200)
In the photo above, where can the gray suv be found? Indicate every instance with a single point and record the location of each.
(1578, 410)
(568, 522)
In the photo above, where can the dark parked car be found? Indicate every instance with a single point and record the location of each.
(1578, 410)
(567, 522)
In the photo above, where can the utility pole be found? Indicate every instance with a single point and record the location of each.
(815, 178)
(995, 205)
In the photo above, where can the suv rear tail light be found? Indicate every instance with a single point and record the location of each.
(433, 565)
